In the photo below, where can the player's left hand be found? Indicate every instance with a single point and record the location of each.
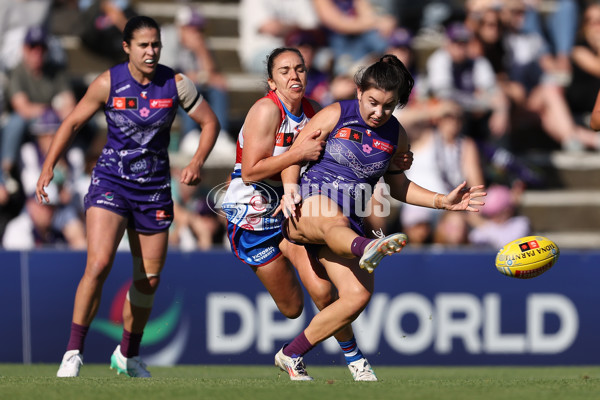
(290, 200)
(403, 161)
(190, 175)
(463, 198)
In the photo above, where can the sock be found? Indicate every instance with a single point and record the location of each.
(299, 346)
(351, 350)
(359, 244)
(77, 338)
(130, 344)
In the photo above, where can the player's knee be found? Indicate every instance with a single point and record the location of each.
(322, 295)
(141, 293)
(357, 299)
(291, 309)
(143, 288)
(97, 268)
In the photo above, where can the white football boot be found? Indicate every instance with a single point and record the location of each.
(70, 365)
(361, 371)
(379, 248)
(133, 367)
(293, 366)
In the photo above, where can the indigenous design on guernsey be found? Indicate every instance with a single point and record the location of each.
(355, 157)
(250, 206)
(139, 118)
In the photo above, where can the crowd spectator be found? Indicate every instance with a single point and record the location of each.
(264, 25)
(185, 49)
(557, 22)
(194, 58)
(356, 31)
(34, 86)
(452, 230)
(418, 113)
(443, 158)
(195, 225)
(59, 223)
(453, 72)
(585, 83)
(500, 222)
(17, 18)
(102, 23)
(531, 88)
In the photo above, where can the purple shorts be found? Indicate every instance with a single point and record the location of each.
(146, 210)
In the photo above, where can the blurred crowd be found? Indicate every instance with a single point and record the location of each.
(495, 81)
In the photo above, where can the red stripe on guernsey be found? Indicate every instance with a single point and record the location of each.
(232, 240)
(238, 153)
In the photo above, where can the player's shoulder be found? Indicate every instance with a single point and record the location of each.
(102, 82)
(331, 110)
(265, 107)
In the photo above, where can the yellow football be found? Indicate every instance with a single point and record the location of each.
(527, 257)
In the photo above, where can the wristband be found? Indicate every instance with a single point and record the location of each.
(396, 172)
(434, 198)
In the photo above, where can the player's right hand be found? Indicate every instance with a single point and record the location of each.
(43, 181)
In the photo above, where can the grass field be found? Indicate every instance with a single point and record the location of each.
(96, 382)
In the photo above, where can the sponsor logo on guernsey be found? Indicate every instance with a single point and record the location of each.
(349, 134)
(284, 139)
(144, 94)
(162, 215)
(350, 122)
(533, 244)
(125, 103)
(119, 90)
(383, 146)
(161, 103)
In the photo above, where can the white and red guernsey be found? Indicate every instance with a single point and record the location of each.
(250, 206)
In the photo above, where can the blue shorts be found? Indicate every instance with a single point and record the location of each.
(146, 211)
(254, 248)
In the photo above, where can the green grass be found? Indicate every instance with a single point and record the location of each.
(96, 382)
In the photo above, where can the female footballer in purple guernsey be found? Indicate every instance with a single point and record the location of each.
(130, 187)
(255, 235)
(362, 137)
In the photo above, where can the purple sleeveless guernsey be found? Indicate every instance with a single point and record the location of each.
(139, 119)
(355, 157)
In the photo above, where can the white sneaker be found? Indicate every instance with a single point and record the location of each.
(293, 366)
(379, 248)
(361, 370)
(70, 365)
(133, 367)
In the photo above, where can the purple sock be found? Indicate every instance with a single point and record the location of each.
(299, 346)
(130, 344)
(77, 338)
(359, 244)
